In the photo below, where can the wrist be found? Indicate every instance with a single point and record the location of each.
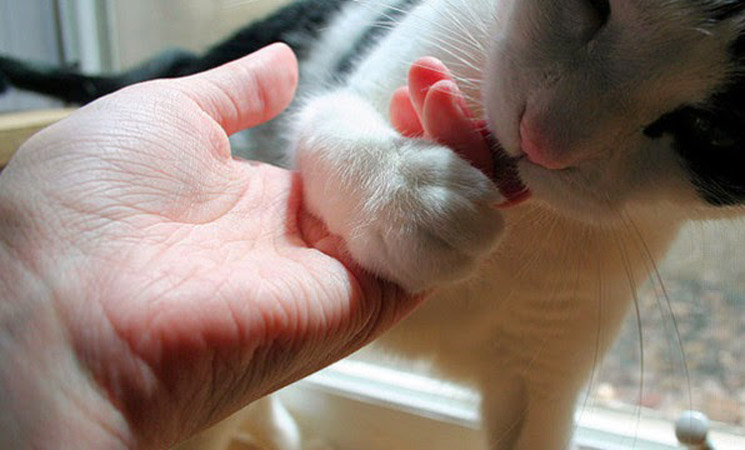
(47, 399)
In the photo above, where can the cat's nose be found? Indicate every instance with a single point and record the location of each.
(538, 149)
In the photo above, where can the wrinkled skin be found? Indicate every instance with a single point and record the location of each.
(152, 284)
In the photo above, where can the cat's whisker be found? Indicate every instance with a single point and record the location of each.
(597, 356)
(472, 28)
(232, 4)
(576, 289)
(451, 39)
(530, 363)
(626, 262)
(477, 45)
(459, 54)
(659, 282)
(459, 61)
(717, 189)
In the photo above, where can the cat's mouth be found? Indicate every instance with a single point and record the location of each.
(506, 174)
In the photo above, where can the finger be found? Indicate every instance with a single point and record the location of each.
(447, 120)
(424, 74)
(379, 293)
(403, 115)
(248, 91)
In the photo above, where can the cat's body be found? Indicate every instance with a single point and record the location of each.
(624, 117)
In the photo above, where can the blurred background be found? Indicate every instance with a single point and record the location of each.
(107, 35)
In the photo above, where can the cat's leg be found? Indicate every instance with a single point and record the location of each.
(548, 424)
(515, 417)
(217, 437)
(263, 425)
(270, 426)
(409, 210)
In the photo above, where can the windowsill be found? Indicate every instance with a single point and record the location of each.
(16, 128)
(361, 406)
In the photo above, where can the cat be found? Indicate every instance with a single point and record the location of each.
(623, 119)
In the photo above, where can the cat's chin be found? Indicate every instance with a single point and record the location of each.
(553, 191)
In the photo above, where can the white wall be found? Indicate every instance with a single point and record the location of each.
(142, 28)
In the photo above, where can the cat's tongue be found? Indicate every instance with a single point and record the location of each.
(506, 175)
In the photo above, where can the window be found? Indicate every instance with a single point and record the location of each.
(692, 326)
(16, 19)
(67, 32)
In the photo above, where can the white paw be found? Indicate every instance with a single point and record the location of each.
(427, 220)
(409, 210)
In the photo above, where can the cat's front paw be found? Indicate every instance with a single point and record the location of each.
(428, 220)
(410, 210)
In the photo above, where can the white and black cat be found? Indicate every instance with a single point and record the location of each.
(624, 119)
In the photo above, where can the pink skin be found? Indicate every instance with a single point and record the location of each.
(433, 107)
(151, 284)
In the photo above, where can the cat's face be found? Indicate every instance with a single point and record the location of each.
(620, 102)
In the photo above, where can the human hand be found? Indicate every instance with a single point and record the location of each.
(151, 283)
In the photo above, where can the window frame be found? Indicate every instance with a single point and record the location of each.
(419, 412)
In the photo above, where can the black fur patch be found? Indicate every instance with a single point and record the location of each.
(388, 18)
(725, 9)
(711, 141)
(710, 138)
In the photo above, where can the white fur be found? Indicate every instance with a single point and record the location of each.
(409, 210)
(540, 308)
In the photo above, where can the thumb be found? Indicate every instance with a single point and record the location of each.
(246, 92)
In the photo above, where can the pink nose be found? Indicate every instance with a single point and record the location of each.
(537, 149)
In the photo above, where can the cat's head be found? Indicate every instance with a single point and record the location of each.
(612, 103)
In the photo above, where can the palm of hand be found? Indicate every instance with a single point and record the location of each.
(191, 283)
(188, 269)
